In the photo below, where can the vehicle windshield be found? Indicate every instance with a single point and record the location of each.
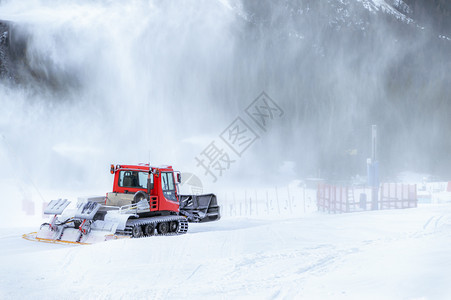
(133, 179)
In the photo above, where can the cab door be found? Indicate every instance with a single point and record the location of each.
(168, 186)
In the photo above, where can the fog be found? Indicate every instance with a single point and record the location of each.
(100, 82)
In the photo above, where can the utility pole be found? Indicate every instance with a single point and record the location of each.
(373, 170)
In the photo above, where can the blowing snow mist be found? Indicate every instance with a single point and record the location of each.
(89, 83)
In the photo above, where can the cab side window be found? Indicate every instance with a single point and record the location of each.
(133, 179)
(128, 179)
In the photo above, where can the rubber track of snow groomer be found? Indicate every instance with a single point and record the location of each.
(136, 228)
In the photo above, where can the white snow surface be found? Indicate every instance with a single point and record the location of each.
(397, 254)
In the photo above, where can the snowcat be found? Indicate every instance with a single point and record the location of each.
(145, 201)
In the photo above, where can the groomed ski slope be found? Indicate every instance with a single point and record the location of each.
(397, 254)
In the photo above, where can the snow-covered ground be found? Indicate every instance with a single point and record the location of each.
(397, 254)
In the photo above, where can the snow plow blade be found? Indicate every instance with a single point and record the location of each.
(56, 207)
(78, 225)
(200, 208)
(75, 232)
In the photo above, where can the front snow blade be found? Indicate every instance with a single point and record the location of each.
(87, 210)
(56, 207)
(200, 208)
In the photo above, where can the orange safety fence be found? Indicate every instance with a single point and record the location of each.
(341, 199)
